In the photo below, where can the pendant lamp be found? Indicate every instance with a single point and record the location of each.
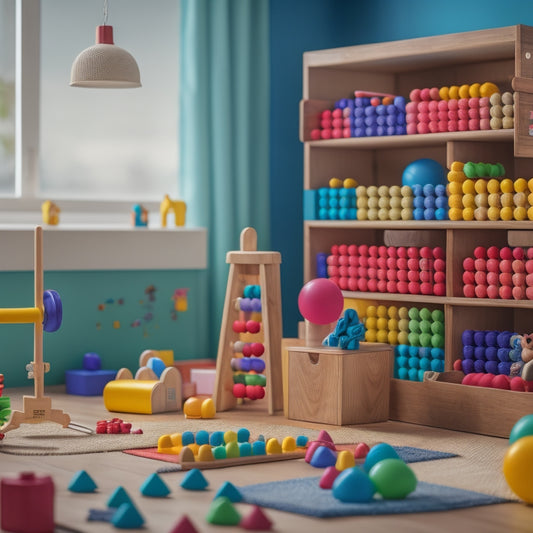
(105, 65)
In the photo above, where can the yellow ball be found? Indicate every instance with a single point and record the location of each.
(403, 324)
(208, 408)
(382, 323)
(454, 187)
(349, 183)
(520, 185)
(373, 202)
(487, 89)
(473, 91)
(362, 201)
(530, 213)
(468, 200)
(392, 311)
(382, 335)
(444, 93)
(392, 337)
(455, 175)
(403, 312)
(455, 214)
(506, 213)
(403, 337)
(480, 186)
(361, 191)
(518, 468)
(373, 214)
(482, 199)
(406, 201)
(395, 202)
(383, 190)
(457, 166)
(453, 92)
(381, 311)
(506, 185)
(493, 213)
(506, 199)
(520, 213)
(392, 324)
(468, 187)
(495, 199)
(372, 190)
(371, 335)
(371, 310)
(230, 436)
(362, 213)
(395, 190)
(407, 213)
(520, 199)
(468, 213)
(335, 183)
(530, 198)
(406, 191)
(395, 213)
(530, 184)
(455, 201)
(464, 91)
(493, 186)
(384, 201)
(371, 322)
(383, 213)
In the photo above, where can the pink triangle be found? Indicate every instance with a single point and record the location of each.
(361, 450)
(328, 477)
(184, 526)
(324, 436)
(256, 520)
(311, 449)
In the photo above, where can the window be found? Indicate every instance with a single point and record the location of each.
(87, 144)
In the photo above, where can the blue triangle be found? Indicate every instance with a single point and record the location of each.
(127, 517)
(231, 492)
(323, 457)
(154, 486)
(194, 480)
(82, 482)
(118, 497)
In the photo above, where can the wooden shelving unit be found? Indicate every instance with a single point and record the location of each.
(503, 56)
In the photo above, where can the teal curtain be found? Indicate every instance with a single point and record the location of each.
(224, 131)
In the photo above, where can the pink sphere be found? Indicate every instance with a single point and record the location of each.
(493, 292)
(506, 292)
(320, 301)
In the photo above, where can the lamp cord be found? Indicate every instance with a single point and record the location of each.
(105, 12)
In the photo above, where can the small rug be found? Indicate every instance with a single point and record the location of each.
(304, 496)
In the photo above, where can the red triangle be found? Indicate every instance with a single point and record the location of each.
(256, 520)
(184, 526)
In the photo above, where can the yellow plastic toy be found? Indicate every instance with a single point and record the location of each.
(178, 207)
(50, 213)
(145, 393)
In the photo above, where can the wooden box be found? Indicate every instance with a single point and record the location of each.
(333, 386)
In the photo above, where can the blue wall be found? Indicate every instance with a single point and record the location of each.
(303, 25)
(109, 313)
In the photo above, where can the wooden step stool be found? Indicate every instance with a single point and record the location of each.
(251, 267)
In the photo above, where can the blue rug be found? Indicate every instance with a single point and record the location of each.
(304, 496)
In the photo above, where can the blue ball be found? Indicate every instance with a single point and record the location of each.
(413, 374)
(418, 213)
(491, 367)
(423, 171)
(468, 352)
(378, 453)
(468, 366)
(441, 202)
(429, 213)
(437, 353)
(403, 373)
(429, 189)
(429, 202)
(418, 202)
(440, 190)
(441, 213)
(418, 190)
(437, 365)
(479, 365)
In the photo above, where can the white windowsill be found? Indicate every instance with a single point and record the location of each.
(103, 246)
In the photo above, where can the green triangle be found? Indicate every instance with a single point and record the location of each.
(127, 517)
(222, 512)
(82, 482)
(154, 486)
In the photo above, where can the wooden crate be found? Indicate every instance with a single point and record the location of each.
(339, 387)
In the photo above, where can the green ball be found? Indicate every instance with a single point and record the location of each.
(469, 170)
(437, 315)
(425, 314)
(437, 341)
(437, 328)
(425, 326)
(414, 326)
(523, 428)
(413, 313)
(393, 479)
(413, 339)
(425, 340)
(481, 170)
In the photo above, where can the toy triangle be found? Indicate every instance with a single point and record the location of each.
(127, 517)
(231, 492)
(154, 486)
(118, 497)
(323, 457)
(184, 526)
(222, 512)
(82, 482)
(194, 480)
(256, 520)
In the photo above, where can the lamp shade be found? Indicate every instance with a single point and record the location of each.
(105, 65)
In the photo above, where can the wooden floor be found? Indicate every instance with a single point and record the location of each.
(477, 468)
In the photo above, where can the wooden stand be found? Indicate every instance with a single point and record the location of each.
(36, 408)
(249, 266)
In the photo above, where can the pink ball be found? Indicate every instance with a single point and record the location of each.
(529, 253)
(506, 292)
(413, 275)
(258, 349)
(468, 278)
(402, 275)
(506, 265)
(373, 262)
(414, 95)
(486, 380)
(473, 124)
(463, 115)
(519, 279)
(343, 283)
(239, 326)
(453, 104)
(434, 93)
(529, 293)
(529, 280)
(422, 107)
(468, 263)
(493, 265)
(443, 105)
(373, 285)
(443, 125)
(326, 134)
(422, 128)
(320, 301)
(411, 129)
(469, 291)
(480, 277)
(439, 265)
(382, 285)
(426, 288)
(493, 252)
(413, 263)
(439, 289)
(336, 133)
(401, 263)
(372, 273)
(529, 266)
(439, 277)
(352, 284)
(403, 287)
(473, 114)
(480, 252)
(501, 382)
(315, 134)
(239, 390)
(493, 292)
(392, 286)
(411, 107)
(518, 265)
(492, 278)
(480, 291)
(392, 263)
(518, 253)
(425, 276)
(247, 350)
(462, 125)
(517, 384)
(382, 263)
(484, 123)
(362, 284)
(480, 264)
(506, 253)
(414, 287)
(506, 279)
(426, 252)
(433, 126)
(392, 275)
(519, 293)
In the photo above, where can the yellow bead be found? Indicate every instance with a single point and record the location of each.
(506, 213)
(487, 89)
(530, 213)
(371, 310)
(230, 436)
(381, 311)
(455, 175)
(455, 201)
(383, 213)
(403, 324)
(273, 446)
(530, 198)
(457, 166)
(530, 184)
(453, 92)
(506, 185)
(382, 335)
(444, 93)
(349, 183)
(403, 337)
(468, 187)
(480, 186)
(371, 335)
(382, 323)
(480, 213)
(468, 200)
(464, 91)
(335, 183)
(518, 468)
(468, 214)
(392, 337)
(362, 213)
(406, 190)
(482, 199)
(371, 322)
(288, 444)
(455, 214)
(392, 324)
(520, 185)
(506, 199)
(176, 439)
(473, 91)
(392, 312)
(373, 214)
(493, 213)
(493, 186)
(208, 408)
(520, 199)
(407, 213)
(163, 444)
(232, 449)
(345, 459)
(520, 213)
(205, 453)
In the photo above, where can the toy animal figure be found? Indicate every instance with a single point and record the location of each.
(524, 366)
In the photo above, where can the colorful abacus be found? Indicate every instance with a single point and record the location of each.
(249, 382)
(391, 269)
(505, 273)
(448, 109)
(362, 116)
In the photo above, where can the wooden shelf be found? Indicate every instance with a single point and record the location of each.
(500, 55)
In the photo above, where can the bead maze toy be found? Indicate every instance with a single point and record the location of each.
(250, 267)
(45, 315)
